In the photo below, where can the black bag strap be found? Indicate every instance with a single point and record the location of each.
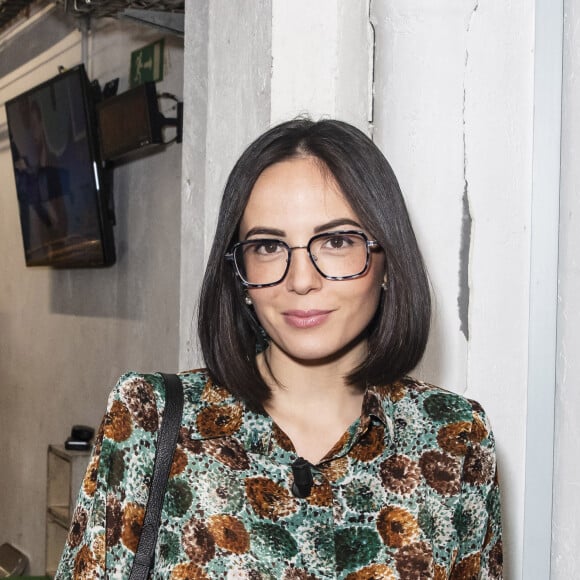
(166, 443)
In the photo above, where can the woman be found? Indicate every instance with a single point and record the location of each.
(305, 451)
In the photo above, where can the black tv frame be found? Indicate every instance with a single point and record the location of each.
(71, 201)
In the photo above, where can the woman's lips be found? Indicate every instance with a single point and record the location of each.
(306, 318)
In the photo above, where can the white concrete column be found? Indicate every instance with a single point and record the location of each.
(543, 295)
(227, 104)
(566, 513)
(420, 87)
(321, 60)
(454, 114)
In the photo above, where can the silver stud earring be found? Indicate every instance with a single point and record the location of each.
(248, 300)
(384, 284)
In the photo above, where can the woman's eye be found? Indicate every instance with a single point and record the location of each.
(338, 242)
(267, 247)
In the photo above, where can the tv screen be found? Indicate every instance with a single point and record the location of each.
(65, 212)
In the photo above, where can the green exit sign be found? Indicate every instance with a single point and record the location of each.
(147, 63)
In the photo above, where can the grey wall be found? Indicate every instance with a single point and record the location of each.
(65, 336)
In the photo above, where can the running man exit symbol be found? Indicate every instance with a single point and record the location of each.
(147, 63)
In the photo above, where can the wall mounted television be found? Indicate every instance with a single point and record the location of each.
(65, 208)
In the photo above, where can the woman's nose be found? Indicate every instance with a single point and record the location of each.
(302, 276)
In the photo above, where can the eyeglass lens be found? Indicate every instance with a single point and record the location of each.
(335, 255)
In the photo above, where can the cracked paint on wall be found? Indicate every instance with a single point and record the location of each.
(466, 219)
(464, 250)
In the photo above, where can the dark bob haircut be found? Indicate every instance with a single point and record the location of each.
(228, 330)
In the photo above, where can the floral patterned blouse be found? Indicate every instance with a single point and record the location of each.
(409, 492)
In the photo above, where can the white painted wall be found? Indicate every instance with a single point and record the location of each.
(566, 527)
(66, 336)
(321, 61)
(454, 114)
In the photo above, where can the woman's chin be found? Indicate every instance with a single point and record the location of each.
(319, 355)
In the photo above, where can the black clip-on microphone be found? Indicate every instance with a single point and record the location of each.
(303, 480)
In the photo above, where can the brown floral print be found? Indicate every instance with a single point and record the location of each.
(268, 499)
(179, 462)
(85, 566)
(90, 480)
(214, 394)
(479, 466)
(371, 445)
(397, 527)
(140, 399)
(229, 533)
(320, 495)
(281, 438)
(114, 520)
(478, 429)
(132, 522)
(198, 542)
(78, 526)
(217, 420)
(467, 569)
(382, 507)
(496, 562)
(118, 422)
(99, 550)
(454, 437)
(188, 572)
(415, 562)
(373, 572)
(293, 573)
(230, 452)
(336, 469)
(441, 472)
(189, 442)
(400, 474)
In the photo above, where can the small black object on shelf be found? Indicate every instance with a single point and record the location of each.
(80, 438)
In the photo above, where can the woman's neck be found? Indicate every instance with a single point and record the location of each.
(312, 403)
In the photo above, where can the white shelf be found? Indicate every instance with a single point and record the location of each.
(65, 473)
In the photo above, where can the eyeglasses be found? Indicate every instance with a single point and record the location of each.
(340, 255)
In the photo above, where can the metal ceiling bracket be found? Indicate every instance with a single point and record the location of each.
(172, 22)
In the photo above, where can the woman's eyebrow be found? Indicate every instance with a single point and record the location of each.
(335, 223)
(260, 230)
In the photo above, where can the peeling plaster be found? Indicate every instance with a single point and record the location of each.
(463, 296)
(372, 66)
(464, 250)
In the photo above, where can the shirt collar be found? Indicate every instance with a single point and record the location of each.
(255, 431)
(378, 405)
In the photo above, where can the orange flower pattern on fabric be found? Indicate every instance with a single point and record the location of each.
(85, 565)
(373, 572)
(408, 492)
(179, 462)
(188, 572)
(118, 422)
(269, 499)
(132, 523)
(219, 420)
(229, 533)
(397, 527)
(371, 445)
(90, 480)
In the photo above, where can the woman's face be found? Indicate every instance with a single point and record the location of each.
(307, 317)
